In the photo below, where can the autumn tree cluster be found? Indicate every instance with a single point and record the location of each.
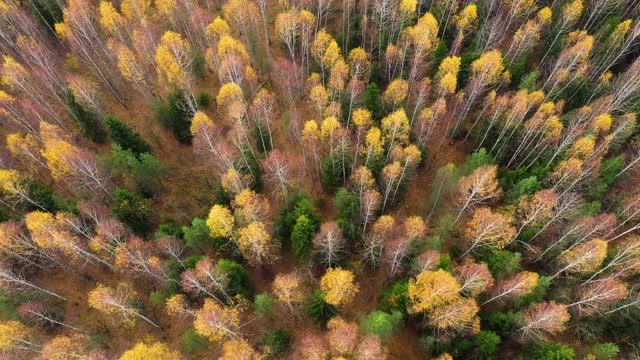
(319, 179)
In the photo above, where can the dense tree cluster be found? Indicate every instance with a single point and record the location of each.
(319, 180)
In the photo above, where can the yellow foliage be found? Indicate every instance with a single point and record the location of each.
(411, 155)
(228, 46)
(383, 225)
(396, 126)
(11, 333)
(397, 91)
(166, 7)
(358, 61)
(310, 132)
(319, 97)
(602, 123)
(544, 15)
(288, 289)
(583, 147)
(216, 321)
(218, 27)
(584, 258)
(54, 152)
(488, 67)
(198, 119)
(467, 18)
(447, 75)
(374, 142)
(64, 347)
(572, 11)
(176, 304)
(408, 7)
(338, 286)
(238, 349)
(220, 221)
(362, 117)
(329, 127)
(13, 72)
(110, 18)
(170, 55)
(458, 315)
(9, 180)
(414, 227)
(332, 54)
(424, 34)
(128, 65)
(255, 243)
(228, 94)
(156, 351)
(136, 8)
(431, 289)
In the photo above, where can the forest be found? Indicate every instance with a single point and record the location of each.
(319, 179)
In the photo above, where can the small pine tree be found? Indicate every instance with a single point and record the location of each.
(174, 116)
(263, 304)
(124, 136)
(278, 342)
(90, 125)
(133, 210)
(373, 101)
(302, 237)
(319, 310)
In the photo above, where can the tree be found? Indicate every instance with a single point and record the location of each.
(457, 317)
(288, 289)
(447, 75)
(178, 306)
(90, 125)
(373, 101)
(544, 319)
(256, 244)
(486, 343)
(217, 322)
(277, 168)
(76, 345)
(16, 281)
(342, 335)
(348, 217)
(595, 298)
(220, 222)
(156, 350)
(432, 289)
(329, 244)
(550, 350)
(124, 136)
(44, 315)
(488, 230)
(134, 210)
(302, 237)
(173, 60)
(278, 342)
(477, 188)
(395, 128)
(312, 347)
(518, 285)
(174, 115)
(117, 301)
(381, 323)
(584, 258)
(238, 349)
(474, 278)
(338, 286)
(206, 279)
(16, 336)
(370, 348)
